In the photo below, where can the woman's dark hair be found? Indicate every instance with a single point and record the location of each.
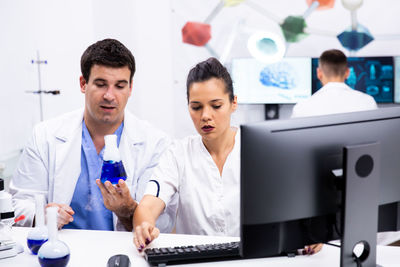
(107, 52)
(205, 70)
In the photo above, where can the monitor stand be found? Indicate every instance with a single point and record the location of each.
(360, 204)
(271, 111)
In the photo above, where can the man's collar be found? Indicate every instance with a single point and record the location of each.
(132, 127)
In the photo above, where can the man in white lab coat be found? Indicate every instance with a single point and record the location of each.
(335, 96)
(63, 158)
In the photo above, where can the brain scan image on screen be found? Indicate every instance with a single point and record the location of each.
(280, 75)
(286, 81)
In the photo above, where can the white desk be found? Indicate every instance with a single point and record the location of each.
(93, 248)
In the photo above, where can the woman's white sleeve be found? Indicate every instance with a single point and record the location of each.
(164, 182)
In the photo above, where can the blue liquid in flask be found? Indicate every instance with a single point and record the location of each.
(53, 253)
(112, 171)
(38, 235)
(54, 262)
(35, 244)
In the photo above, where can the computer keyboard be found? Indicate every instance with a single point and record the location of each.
(192, 254)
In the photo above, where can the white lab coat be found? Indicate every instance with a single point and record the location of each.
(333, 98)
(51, 162)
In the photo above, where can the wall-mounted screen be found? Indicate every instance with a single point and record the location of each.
(286, 81)
(371, 75)
(397, 79)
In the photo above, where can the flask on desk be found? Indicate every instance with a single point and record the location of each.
(54, 252)
(38, 235)
(112, 169)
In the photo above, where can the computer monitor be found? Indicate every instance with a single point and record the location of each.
(292, 194)
(286, 81)
(370, 75)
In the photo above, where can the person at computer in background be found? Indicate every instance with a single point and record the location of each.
(204, 169)
(63, 158)
(335, 96)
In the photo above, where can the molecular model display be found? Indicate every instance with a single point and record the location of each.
(293, 27)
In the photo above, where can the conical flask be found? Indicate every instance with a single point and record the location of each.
(112, 169)
(54, 252)
(38, 235)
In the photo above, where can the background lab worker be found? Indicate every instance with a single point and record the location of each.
(335, 96)
(63, 158)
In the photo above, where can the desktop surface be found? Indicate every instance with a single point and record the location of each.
(94, 248)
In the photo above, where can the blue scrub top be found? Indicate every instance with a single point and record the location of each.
(87, 201)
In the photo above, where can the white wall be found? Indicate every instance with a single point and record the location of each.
(153, 99)
(54, 30)
(61, 30)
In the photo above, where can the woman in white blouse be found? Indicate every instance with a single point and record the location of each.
(203, 170)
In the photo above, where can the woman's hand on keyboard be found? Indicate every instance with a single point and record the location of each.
(144, 234)
(312, 249)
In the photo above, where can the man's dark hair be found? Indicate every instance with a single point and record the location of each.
(205, 70)
(109, 53)
(333, 63)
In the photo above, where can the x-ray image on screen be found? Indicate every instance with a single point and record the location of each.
(286, 81)
(371, 75)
